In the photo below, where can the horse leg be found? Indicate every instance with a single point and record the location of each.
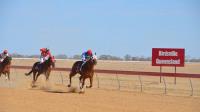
(5, 73)
(33, 82)
(47, 76)
(91, 82)
(91, 79)
(8, 74)
(80, 81)
(70, 78)
(83, 84)
(36, 77)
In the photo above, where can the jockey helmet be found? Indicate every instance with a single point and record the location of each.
(42, 49)
(5, 51)
(89, 52)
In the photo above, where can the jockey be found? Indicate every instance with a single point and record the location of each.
(45, 54)
(85, 57)
(3, 55)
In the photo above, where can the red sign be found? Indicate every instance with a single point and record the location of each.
(168, 57)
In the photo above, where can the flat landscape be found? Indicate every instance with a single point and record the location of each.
(108, 93)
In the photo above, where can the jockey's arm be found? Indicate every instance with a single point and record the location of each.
(47, 57)
(6, 55)
(3, 56)
(83, 57)
(41, 59)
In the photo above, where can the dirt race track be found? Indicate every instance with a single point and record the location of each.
(54, 96)
(14, 100)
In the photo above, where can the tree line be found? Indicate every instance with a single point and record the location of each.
(127, 57)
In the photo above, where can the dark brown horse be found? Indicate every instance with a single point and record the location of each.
(5, 67)
(87, 71)
(43, 68)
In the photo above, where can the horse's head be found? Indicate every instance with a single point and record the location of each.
(93, 60)
(51, 61)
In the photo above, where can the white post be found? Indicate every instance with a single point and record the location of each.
(61, 77)
(16, 77)
(140, 82)
(118, 81)
(175, 76)
(165, 85)
(160, 73)
(191, 86)
(97, 80)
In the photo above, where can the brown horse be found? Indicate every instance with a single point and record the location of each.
(43, 68)
(5, 67)
(87, 71)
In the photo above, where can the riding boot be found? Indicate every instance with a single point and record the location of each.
(82, 65)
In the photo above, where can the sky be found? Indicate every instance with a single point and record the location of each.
(114, 27)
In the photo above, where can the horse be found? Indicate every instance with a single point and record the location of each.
(41, 68)
(87, 71)
(5, 67)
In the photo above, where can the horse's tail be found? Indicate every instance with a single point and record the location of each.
(33, 69)
(27, 74)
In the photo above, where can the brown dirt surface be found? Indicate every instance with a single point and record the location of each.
(16, 95)
(94, 100)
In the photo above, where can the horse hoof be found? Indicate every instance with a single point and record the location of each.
(82, 92)
(88, 86)
(33, 85)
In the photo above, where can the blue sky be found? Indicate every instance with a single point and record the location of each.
(115, 27)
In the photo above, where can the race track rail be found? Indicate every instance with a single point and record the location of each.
(186, 75)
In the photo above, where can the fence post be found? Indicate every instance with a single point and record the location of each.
(175, 76)
(61, 77)
(97, 80)
(160, 73)
(140, 82)
(191, 87)
(118, 81)
(165, 85)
